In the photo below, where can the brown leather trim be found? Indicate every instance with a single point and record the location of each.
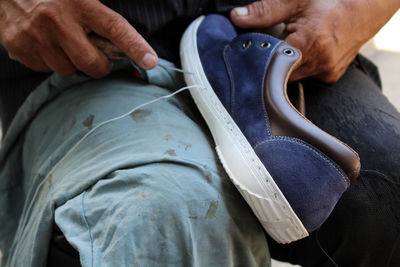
(300, 103)
(286, 120)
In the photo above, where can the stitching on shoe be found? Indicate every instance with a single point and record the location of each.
(302, 143)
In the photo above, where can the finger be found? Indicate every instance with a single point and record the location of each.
(300, 73)
(32, 61)
(109, 49)
(300, 41)
(312, 69)
(305, 67)
(56, 59)
(263, 13)
(23, 52)
(83, 54)
(115, 28)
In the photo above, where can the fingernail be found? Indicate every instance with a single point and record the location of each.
(241, 11)
(149, 61)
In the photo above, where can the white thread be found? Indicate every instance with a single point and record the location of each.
(175, 69)
(115, 119)
(24, 219)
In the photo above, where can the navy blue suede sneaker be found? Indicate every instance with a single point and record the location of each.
(290, 172)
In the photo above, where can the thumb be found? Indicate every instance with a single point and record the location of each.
(263, 13)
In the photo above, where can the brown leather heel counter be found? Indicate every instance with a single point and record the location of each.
(286, 120)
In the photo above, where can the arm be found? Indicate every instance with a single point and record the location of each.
(328, 33)
(52, 35)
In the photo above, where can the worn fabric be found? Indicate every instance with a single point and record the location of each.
(145, 190)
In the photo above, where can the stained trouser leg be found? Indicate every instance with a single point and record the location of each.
(167, 201)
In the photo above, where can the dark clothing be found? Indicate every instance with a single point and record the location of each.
(161, 22)
(364, 228)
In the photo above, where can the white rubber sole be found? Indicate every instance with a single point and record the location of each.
(241, 163)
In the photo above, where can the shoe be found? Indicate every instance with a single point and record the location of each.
(290, 172)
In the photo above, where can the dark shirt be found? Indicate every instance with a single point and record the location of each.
(160, 22)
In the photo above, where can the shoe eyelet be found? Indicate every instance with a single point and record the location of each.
(246, 44)
(265, 45)
(288, 52)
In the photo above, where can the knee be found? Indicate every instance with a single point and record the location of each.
(377, 142)
(369, 211)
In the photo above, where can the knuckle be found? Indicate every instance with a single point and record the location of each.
(260, 8)
(319, 44)
(116, 27)
(22, 38)
(13, 38)
(9, 40)
(16, 48)
(44, 9)
(87, 63)
(93, 65)
(47, 12)
(136, 47)
(328, 65)
(101, 71)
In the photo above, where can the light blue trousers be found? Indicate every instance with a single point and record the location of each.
(145, 190)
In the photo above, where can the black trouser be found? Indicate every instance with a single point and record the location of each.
(364, 228)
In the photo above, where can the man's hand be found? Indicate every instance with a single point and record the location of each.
(329, 33)
(52, 35)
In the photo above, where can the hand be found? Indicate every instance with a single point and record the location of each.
(329, 33)
(52, 35)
